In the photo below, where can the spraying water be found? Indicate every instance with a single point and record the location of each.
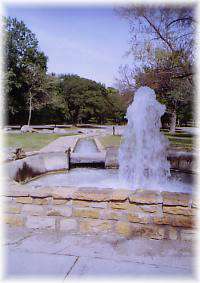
(142, 154)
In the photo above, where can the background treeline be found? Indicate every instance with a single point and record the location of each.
(34, 96)
(163, 59)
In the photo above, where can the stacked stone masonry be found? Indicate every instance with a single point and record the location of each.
(152, 214)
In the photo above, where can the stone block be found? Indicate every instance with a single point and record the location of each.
(172, 198)
(62, 193)
(81, 203)
(35, 222)
(92, 194)
(157, 219)
(114, 215)
(119, 195)
(151, 208)
(95, 226)
(70, 225)
(123, 228)
(89, 213)
(64, 211)
(32, 209)
(119, 205)
(145, 208)
(149, 231)
(40, 201)
(178, 220)
(145, 196)
(59, 201)
(14, 220)
(154, 232)
(139, 218)
(13, 208)
(24, 199)
(182, 210)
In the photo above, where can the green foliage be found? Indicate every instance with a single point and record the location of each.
(162, 41)
(21, 51)
(34, 95)
(173, 90)
(86, 101)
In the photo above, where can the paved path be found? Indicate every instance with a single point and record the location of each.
(61, 144)
(63, 256)
(190, 130)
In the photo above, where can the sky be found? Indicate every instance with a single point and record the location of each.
(88, 41)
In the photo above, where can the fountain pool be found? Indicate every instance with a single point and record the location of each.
(108, 178)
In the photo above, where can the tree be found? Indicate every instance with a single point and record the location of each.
(170, 30)
(36, 88)
(21, 50)
(118, 109)
(84, 99)
(175, 93)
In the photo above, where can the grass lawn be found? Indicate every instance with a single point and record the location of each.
(179, 140)
(30, 141)
(110, 140)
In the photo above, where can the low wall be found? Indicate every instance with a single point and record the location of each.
(179, 160)
(152, 214)
(31, 166)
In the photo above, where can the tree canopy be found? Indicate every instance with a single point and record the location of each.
(35, 96)
(162, 46)
(21, 51)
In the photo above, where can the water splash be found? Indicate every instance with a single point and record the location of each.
(142, 154)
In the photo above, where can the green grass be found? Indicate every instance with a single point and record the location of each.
(30, 141)
(177, 140)
(110, 140)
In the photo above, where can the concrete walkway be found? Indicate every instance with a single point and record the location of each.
(61, 144)
(63, 256)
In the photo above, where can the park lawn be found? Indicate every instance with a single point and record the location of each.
(110, 140)
(30, 141)
(184, 142)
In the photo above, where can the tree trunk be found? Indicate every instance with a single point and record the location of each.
(173, 122)
(30, 110)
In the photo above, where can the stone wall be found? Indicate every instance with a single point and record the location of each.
(179, 160)
(144, 213)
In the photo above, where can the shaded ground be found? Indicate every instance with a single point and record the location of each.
(33, 253)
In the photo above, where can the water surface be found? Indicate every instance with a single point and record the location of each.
(86, 146)
(108, 178)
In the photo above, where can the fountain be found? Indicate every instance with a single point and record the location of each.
(143, 160)
(142, 199)
(142, 154)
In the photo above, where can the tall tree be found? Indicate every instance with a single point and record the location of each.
(21, 50)
(170, 29)
(37, 87)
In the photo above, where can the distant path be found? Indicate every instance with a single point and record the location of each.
(61, 144)
(190, 130)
